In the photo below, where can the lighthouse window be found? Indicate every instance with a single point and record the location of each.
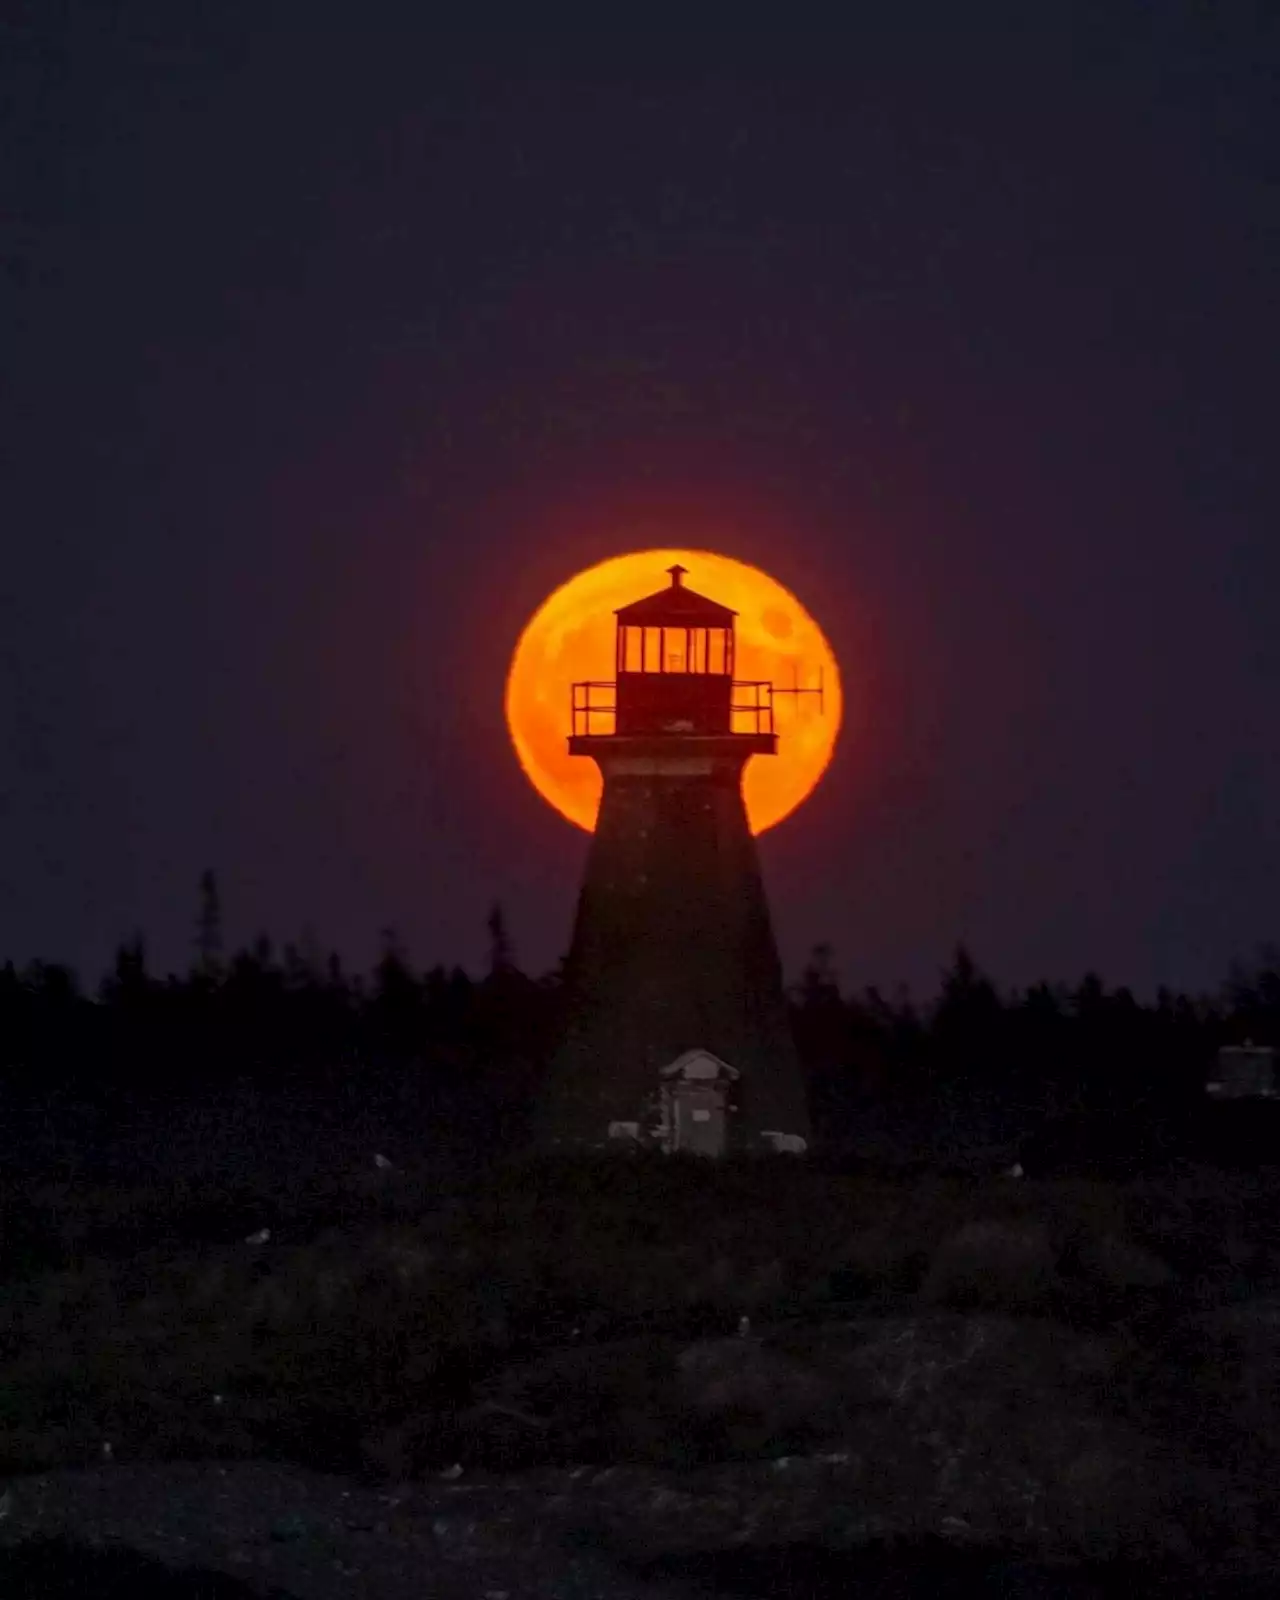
(632, 647)
(682, 650)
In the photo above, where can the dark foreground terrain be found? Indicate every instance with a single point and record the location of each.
(641, 1378)
(207, 1532)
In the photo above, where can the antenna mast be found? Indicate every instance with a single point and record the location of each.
(797, 691)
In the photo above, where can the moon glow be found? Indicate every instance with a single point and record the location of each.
(571, 637)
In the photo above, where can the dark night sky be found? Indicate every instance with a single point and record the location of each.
(333, 337)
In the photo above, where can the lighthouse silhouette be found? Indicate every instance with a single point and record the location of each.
(677, 1033)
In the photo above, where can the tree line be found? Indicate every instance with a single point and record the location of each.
(293, 1019)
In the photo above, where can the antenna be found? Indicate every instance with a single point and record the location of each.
(797, 691)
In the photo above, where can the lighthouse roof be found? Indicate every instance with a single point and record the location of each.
(676, 606)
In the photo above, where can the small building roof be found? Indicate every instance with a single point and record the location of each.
(676, 607)
(698, 1063)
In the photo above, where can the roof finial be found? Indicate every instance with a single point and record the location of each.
(677, 573)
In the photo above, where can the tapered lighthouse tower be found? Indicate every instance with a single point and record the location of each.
(677, 1032)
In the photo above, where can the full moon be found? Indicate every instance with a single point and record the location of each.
(570, 638)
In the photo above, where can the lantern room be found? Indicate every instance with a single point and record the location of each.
(674, 661)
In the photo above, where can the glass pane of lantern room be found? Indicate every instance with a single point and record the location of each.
(632, 644)
(716, 652)
(652, 650)
(697, 650)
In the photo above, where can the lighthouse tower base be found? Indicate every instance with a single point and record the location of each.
(677, 1030)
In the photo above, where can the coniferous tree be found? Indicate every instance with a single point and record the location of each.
(209, 936)
(501, 958)
(396, 1004)
(821, 1027)
(967, 1031)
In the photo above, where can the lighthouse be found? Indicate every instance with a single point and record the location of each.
(677, 1034)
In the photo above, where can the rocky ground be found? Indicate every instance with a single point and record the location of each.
(209, 1529)
(903, 1387)
(908, 1452)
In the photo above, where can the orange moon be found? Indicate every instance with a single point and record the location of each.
(571, 638)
